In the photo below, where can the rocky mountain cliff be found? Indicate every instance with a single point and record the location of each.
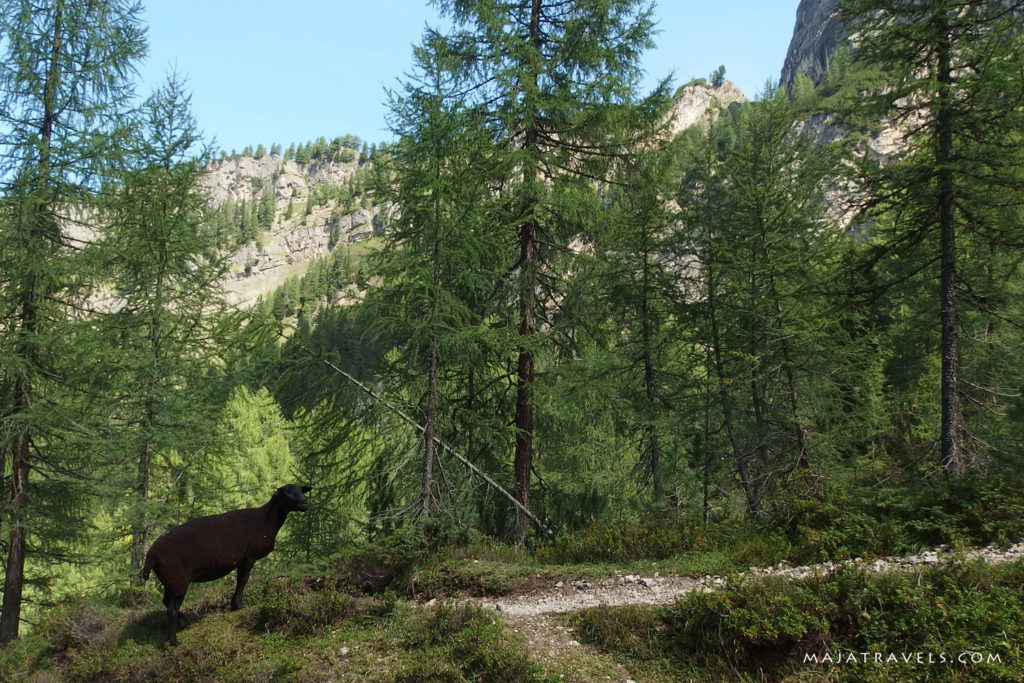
(817, 34)
(304, 227)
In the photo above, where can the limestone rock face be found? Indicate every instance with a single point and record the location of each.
(295, 238)
(701, 101)
(234, 178)
(817, 34)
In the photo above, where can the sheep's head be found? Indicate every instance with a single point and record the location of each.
(293, 497)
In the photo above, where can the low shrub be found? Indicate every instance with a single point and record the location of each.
(655, 536)
(473, 642)
(309, 606)
(842, 522)
(845, 626)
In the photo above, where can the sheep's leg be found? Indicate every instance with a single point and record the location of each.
(175, 620)
(243, 578)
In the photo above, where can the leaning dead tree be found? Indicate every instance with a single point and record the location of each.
(476, 471)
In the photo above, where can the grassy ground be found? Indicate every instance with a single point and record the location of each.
(321, 626)
(367, 615)
(292, 629)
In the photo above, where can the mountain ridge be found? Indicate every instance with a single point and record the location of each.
(309, 221)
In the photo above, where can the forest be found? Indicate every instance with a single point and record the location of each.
(790, 332)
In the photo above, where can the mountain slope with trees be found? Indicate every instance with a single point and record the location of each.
(736, 344)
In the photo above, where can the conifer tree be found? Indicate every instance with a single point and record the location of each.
(161, 258)
(438, 261)
(636, 278)
(755, 217)
(952, 91)
(248, 457)
(266, 209)
(63, 84)
(555, 81)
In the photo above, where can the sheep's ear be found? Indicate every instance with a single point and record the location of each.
(306, 489)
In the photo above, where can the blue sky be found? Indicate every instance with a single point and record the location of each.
(266, 71)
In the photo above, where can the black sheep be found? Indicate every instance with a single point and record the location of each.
(207, 548)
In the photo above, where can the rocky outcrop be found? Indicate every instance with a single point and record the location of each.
(700, 101)
(242, 178)
(817, 34)
(295, 237)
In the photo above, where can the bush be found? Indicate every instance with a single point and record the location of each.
(766, 629)
(472, 641)
(309, 606)
(77, 625)
(838, 523)
(655, 536)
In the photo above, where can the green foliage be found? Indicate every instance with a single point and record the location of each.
(475, 642)
(767, 628)
(250, 458)
(335, 456)
(65, 90)
(840, 523)
(343, 149)
(311, 606)
(656, 535)
(676, 352)
(945, 206)
(780, 355)
(718, 76)
(165, 341)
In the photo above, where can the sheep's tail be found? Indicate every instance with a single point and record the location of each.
(147, 566)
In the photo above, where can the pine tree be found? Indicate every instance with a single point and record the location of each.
(63, 84)
(266, 208)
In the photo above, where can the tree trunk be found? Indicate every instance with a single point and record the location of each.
(524, 406)
(788, 369)
(43, 233)
(953, 454)
(14, 581)
(523, 463)
(141, 531)
(739, 458)
(430, 445)
(651, 444)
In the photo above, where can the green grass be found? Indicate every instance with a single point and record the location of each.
(353, 617)
(294, 629)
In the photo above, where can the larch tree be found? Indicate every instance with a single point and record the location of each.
(755, 217)
(161, 257)
(555, 82)
(64, 82)
(629, 287)
(952, 92)
(437, 263)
